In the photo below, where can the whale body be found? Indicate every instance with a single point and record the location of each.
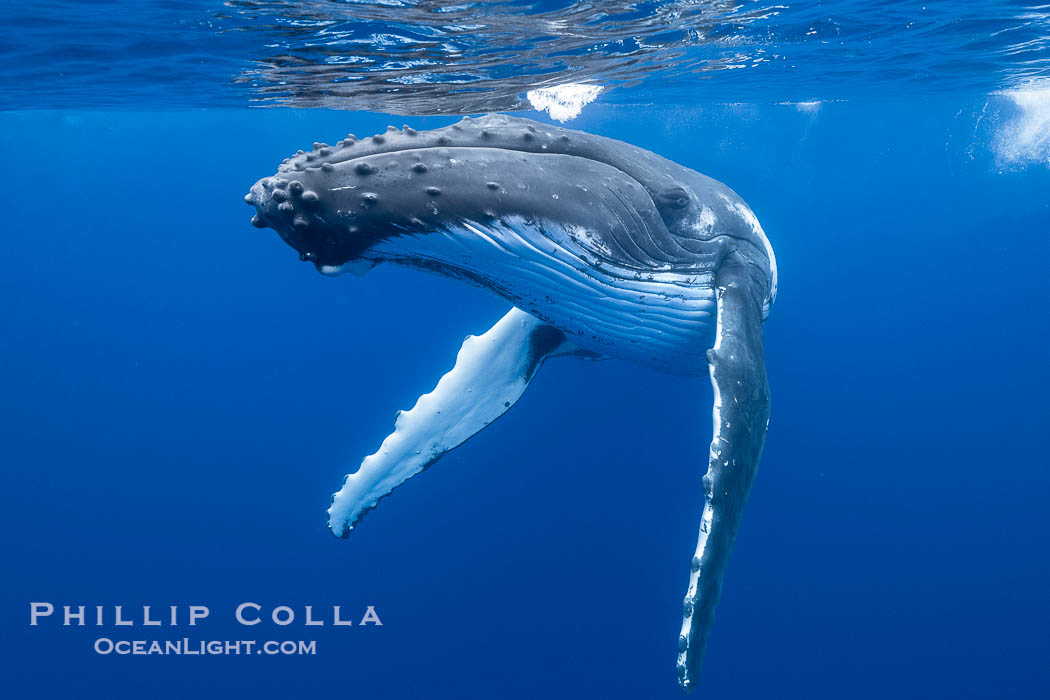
(603, 249)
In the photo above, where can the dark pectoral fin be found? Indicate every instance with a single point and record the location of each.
(741, 415)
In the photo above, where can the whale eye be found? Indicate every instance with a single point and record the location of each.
(676, 198)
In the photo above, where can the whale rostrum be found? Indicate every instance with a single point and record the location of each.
(603, 249)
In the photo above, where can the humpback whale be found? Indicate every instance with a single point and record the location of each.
(603, 249)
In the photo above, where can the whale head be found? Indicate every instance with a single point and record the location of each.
(347, 206)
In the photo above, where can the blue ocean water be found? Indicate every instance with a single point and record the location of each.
(181, 395)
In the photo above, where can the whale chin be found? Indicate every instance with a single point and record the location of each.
(354, 267)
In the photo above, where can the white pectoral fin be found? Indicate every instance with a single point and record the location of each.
(490, 375)
(741, 416)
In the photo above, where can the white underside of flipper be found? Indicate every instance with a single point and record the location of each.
(491, 373)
